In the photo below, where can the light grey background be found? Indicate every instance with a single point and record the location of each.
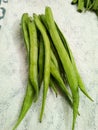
(81, 31)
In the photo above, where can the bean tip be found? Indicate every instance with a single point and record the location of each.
(79, 10)
(73, 3)
(91, 99)
(40, 120)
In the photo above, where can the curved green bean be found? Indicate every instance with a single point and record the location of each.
(33, 54)
(47, 61)
(28, 99)
(41, 60)
(24, 21)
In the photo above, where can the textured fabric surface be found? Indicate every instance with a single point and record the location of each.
(81, 31)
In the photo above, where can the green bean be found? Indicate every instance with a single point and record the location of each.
(80, 82)
(52, 85)
(28, 99)
(47, 61)
(24, 21)
(68, 67)
(63, 40)
(41, 60)
(26, 104)
(33, 53)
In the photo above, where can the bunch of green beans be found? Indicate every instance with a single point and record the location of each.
(91, 5)
(50, 61)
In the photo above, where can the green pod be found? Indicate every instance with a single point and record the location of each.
(29, 96)
(41, 60)
(24, 21)
(42, 29)
(33, 57)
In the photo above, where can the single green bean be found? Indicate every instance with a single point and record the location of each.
(80, 82)
(68, 67)
(47, 61)
(24, 21)
(33, 53)
(41, 60)
(28, 99)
